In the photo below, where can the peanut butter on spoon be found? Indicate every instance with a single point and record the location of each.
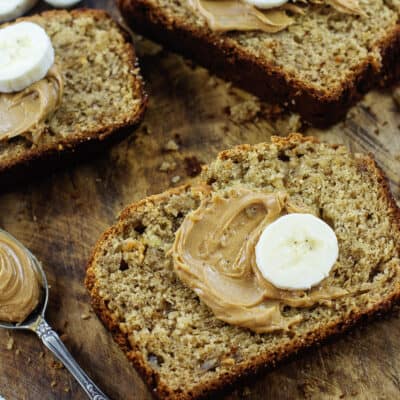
(24, 293)
(20, 287)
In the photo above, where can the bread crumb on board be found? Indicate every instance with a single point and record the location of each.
(244, 111)
(396, 95)
(56, 364)
(10, 343)
(64, 337)
(171, 145)
(167, 166)
(175, 179)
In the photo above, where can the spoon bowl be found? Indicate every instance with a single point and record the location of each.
(31, 322)
(36, 322)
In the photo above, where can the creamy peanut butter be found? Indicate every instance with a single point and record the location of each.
(23, 112)
(19, 281)
(343, 6)
(229, 15)
(214, 254)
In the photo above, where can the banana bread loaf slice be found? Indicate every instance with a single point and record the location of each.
(103, 96)
(318, 66)
(172, 338)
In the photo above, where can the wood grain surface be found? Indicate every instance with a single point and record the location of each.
(60, 216)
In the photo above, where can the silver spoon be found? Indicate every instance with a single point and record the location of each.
(36, 323)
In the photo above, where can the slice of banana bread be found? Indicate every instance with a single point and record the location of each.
(317, 67)
(103, 91)
(172, 338)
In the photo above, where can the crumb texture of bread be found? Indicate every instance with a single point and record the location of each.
(172, 338)
(325, 56)
(103, 89)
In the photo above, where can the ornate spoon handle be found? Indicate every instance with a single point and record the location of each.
(53, 342)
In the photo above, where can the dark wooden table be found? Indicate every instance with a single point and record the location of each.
(60, 216)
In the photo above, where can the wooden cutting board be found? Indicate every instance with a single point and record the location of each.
(60, 216)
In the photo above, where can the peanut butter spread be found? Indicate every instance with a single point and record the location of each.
(19, 281)
(22, 113)
(214, 255)
(229, 15)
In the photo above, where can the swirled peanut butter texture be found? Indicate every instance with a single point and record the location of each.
(214, 255)
(24, 111)
(238, 15)
(19, 281)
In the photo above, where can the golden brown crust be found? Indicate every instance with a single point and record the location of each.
(263, 361)
(229, 62)
(35, 159)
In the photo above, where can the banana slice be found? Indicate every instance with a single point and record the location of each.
(266, 4)
(297, 251)
(62, 3)
(11, 9)
(26, 56)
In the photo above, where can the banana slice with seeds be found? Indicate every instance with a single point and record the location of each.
(297, 251)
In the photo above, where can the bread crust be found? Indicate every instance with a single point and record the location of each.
(35, 161)
(265, 80)
(263, 361)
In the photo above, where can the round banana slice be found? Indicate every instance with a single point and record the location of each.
(266, 4)
(297, 251)
(11, 9)
(26, 56)
(62, 3)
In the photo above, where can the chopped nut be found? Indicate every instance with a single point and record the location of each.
(85, 316)
(53, 384)
(227, 361)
